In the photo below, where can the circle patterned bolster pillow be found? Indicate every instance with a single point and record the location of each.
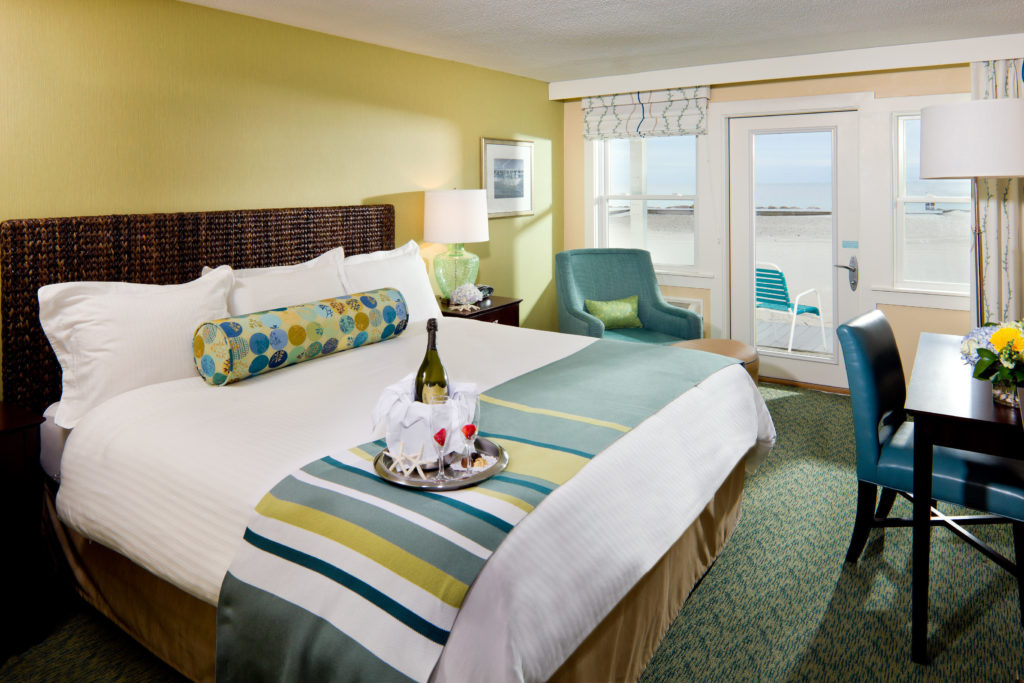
(231, 349)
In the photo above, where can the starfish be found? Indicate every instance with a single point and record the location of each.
(408, 461)
(464, 307)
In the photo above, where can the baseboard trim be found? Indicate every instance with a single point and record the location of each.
(805, 385)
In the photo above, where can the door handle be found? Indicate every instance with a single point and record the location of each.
(853, 268)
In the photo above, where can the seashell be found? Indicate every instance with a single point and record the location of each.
(465, 294)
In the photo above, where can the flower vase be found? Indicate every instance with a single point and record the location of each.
(1006, 394)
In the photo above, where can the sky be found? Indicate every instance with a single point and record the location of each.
(791, 168)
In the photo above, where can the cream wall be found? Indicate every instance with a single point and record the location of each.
(115, 106)
(910, 321)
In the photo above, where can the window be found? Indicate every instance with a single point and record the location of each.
(932, 220)
(647, 197)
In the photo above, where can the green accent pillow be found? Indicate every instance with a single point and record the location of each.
(615, 314)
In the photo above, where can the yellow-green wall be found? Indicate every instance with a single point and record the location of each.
(114, 106)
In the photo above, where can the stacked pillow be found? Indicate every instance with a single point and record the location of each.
(112, 337)
(259, 289)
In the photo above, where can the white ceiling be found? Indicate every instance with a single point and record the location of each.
(559, 40)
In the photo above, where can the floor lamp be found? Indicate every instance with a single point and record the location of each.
(975, 139)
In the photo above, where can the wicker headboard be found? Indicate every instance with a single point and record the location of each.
(155, 249)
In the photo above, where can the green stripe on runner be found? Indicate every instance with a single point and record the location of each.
(313, 648)
(420, 543)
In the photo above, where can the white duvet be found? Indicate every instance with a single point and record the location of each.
(168, 475)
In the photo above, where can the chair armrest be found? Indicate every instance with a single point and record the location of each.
(796, 301)
(678, 322)
(575, 321)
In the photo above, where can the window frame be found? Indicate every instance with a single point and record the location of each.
(599, 175)
(900, 199)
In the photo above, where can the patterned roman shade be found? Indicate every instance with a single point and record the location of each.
(677, 111)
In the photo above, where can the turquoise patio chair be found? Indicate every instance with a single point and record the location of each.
(771, 292)
(608, 274)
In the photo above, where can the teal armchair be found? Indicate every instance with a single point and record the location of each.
(607, 274)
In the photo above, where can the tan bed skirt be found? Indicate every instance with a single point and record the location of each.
(181, 629)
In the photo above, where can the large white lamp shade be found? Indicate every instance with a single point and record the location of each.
(453, 216)
(975, 139)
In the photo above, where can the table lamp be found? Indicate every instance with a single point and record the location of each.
(975, 139)
(454, 217)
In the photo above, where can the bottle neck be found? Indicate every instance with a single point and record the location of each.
(431, 340)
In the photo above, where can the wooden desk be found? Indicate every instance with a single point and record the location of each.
(950, 408)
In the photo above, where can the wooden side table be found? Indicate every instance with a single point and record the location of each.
(494, 309)
(21, 501)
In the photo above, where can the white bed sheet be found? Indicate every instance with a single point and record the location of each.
(51, 442)
(168, 475)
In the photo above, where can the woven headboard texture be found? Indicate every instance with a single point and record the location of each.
(162, 249)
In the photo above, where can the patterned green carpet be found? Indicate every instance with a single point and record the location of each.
(779, 604)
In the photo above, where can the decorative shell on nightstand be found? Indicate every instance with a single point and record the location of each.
(465, 295)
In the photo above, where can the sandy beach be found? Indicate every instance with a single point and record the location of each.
(937, 247)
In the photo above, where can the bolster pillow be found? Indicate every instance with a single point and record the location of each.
(231, 349)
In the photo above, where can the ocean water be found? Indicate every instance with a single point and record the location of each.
(819, 195)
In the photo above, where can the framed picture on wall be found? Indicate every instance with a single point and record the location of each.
(507, 169)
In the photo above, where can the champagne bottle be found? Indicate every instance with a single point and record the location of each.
(431, 379)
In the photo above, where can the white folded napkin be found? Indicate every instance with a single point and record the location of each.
(406, 423)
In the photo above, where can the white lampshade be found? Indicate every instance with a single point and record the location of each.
(976, 139)
(453, 216)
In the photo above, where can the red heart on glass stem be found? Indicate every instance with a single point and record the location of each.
(468, 431)
(440, 437)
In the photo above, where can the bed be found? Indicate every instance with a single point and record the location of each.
(162, 587)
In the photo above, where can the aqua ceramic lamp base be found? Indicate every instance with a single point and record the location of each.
(455, 267)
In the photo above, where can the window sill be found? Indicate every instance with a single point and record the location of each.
(921, 298)
(682, 272)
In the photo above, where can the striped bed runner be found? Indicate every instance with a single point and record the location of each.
(342, 576)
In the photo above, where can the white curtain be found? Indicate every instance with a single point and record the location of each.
(999, 207)
(677, 111)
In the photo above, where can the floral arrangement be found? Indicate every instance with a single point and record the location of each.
(997, 353)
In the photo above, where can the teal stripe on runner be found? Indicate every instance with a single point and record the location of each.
(533, 442)
(516, 489)
(535, 483)
(426, 545)
(414, 501)
(484, 528)
(313, 649)
(621, 382)
(364, 590)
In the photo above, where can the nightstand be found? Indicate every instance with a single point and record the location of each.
(494, 309)
(21, 502)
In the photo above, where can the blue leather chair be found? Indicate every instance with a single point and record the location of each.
(885, 452)
(608, 274)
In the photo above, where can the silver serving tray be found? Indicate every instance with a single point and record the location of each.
(456, 479)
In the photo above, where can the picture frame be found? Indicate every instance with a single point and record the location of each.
(506, 169)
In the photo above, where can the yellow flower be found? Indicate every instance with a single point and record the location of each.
(1008, 336)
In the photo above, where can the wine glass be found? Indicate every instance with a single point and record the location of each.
(440, 428)
(470, 427)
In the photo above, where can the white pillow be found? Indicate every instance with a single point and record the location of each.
(334, 257)
(401, 268)
(284, 288)
(111, 337)
(260, 289)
